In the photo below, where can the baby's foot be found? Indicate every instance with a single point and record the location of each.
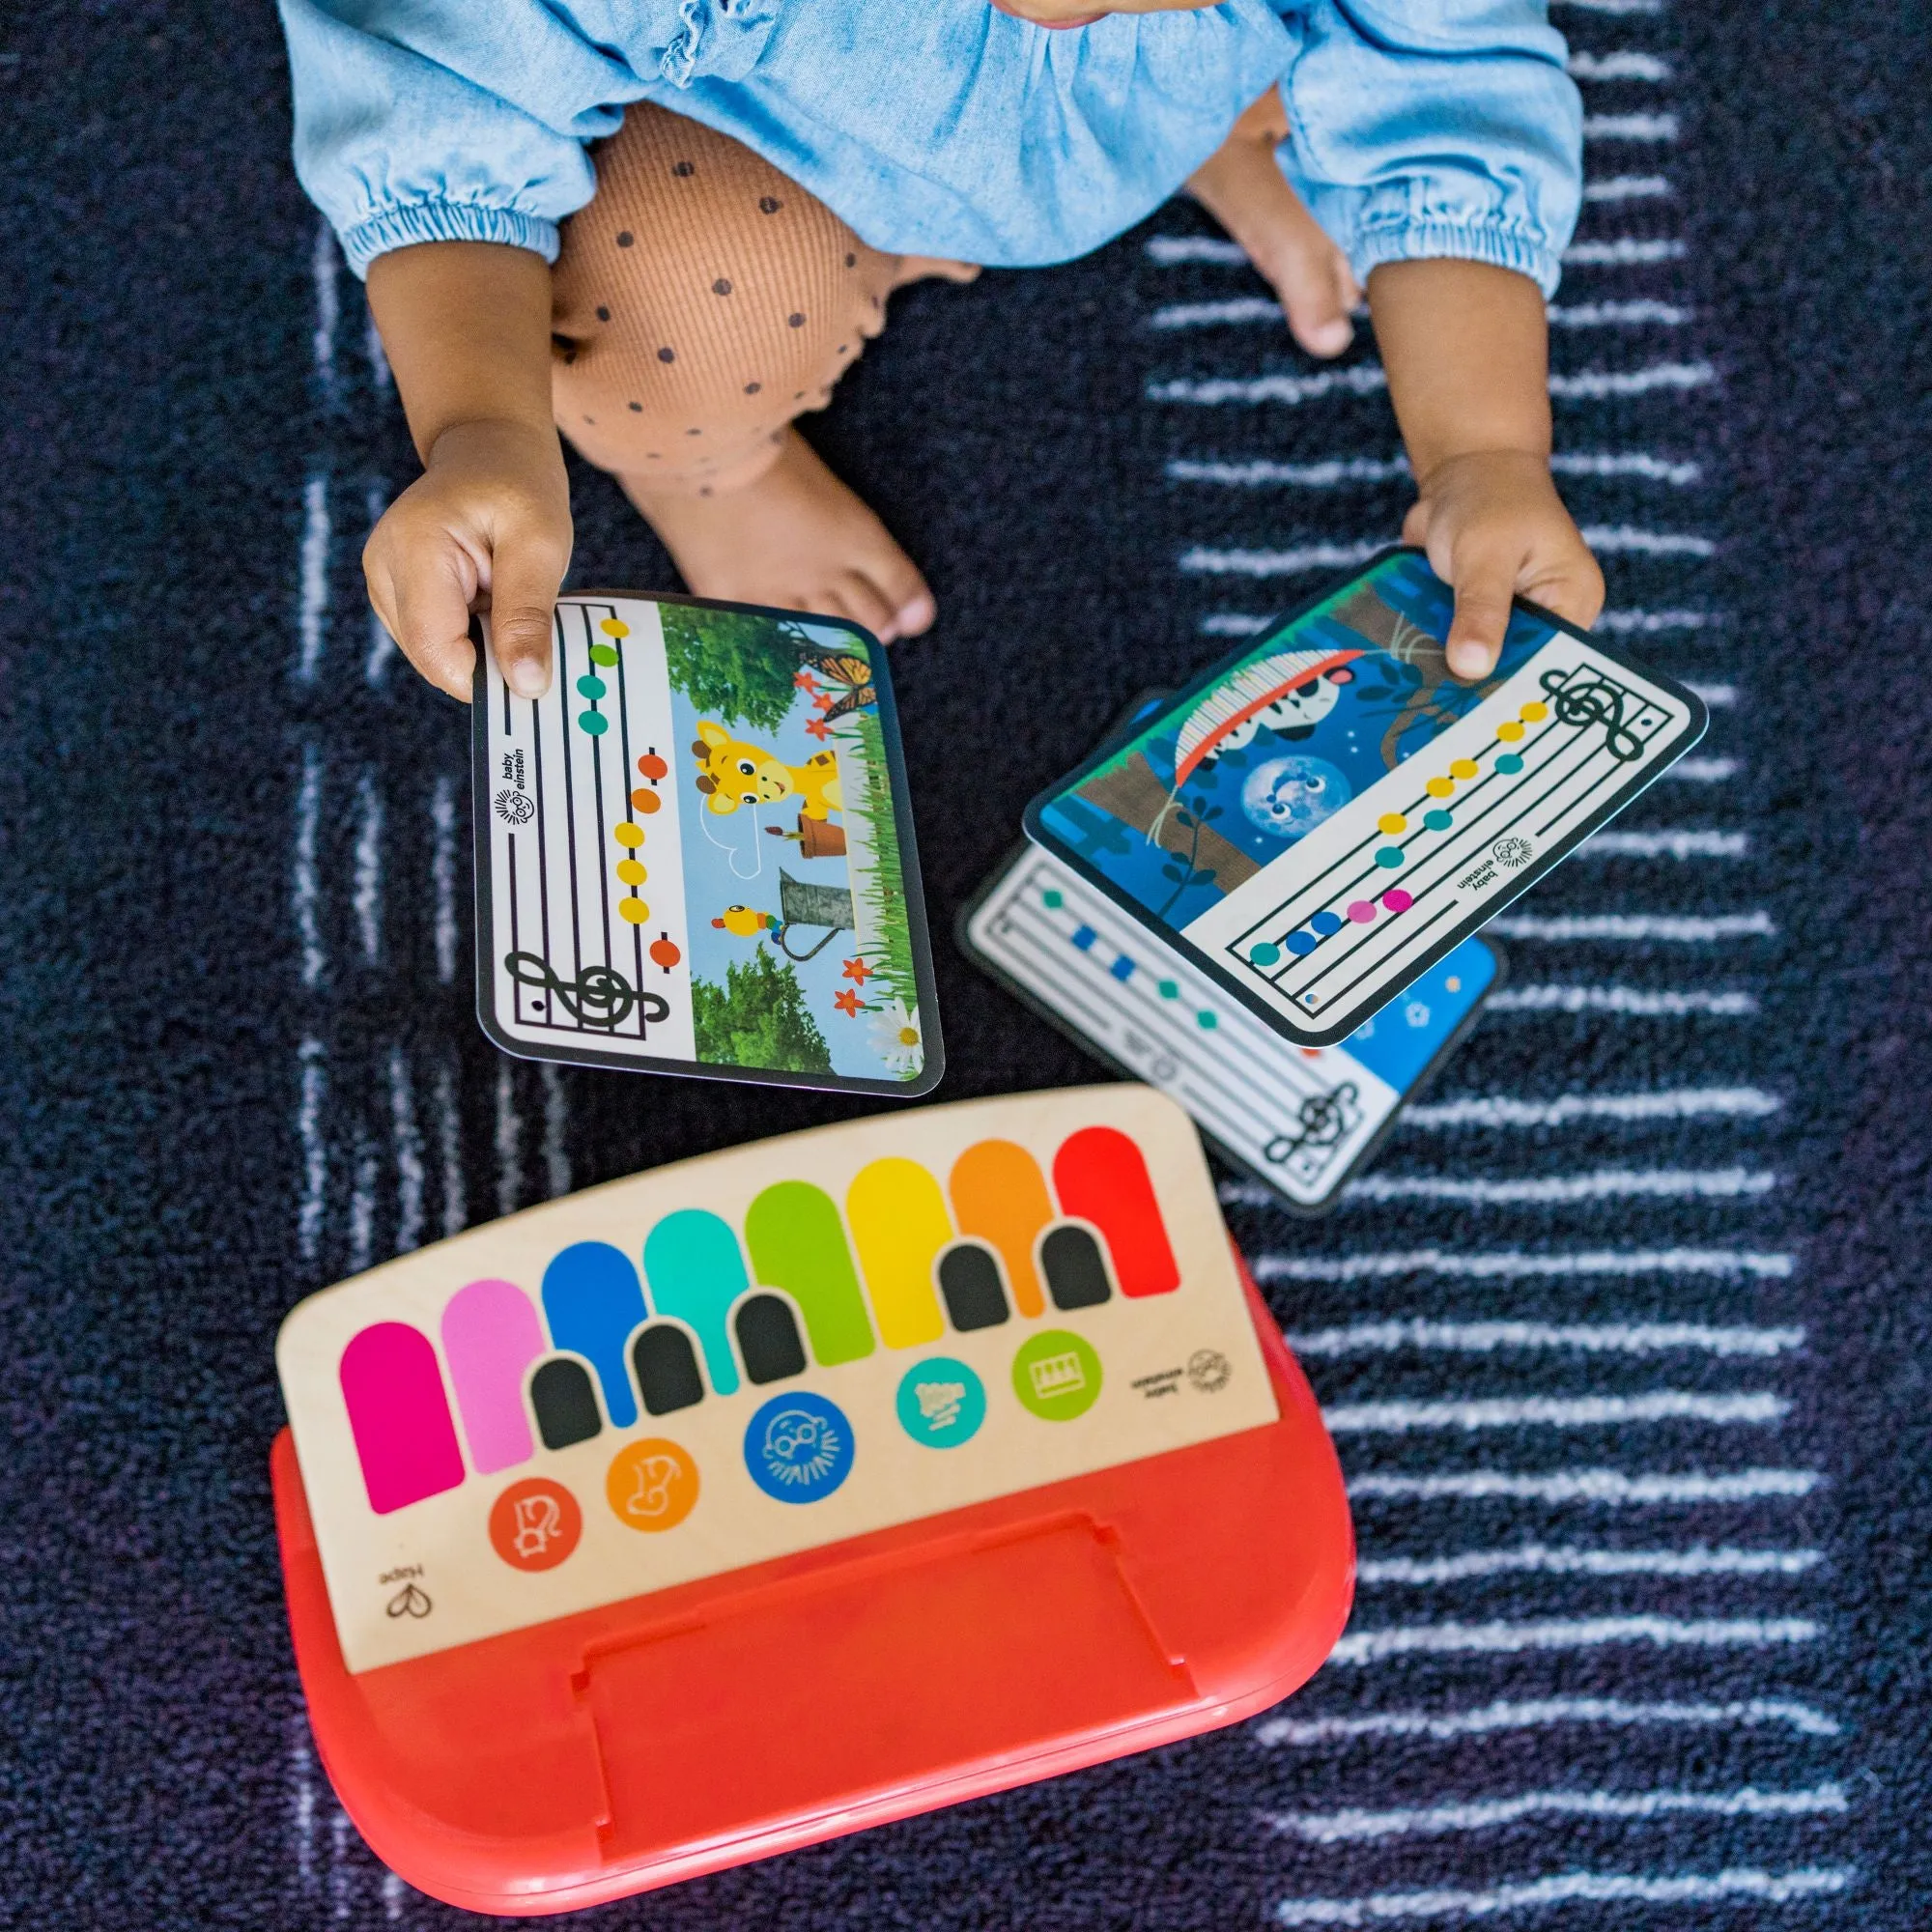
(795, 537)
(1241, 186)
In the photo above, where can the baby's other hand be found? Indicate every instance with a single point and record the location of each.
(485, 528)
(1494, 529)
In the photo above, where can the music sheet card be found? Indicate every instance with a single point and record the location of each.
(1323, 817)
(695, 854)
(1301, 1119)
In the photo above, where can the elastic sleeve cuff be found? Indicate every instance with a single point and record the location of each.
(1500, 246)
(404, 226)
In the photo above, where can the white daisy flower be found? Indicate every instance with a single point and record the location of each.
(897, 1036)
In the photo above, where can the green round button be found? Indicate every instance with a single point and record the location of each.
(1056, 1374)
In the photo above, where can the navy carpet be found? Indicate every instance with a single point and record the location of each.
(1624, 1340)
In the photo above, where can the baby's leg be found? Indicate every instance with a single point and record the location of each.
(1241, 186)
(703, 301)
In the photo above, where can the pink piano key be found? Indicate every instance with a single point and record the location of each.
(491, 1335)
(399, 1416)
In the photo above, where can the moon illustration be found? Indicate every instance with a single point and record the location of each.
(1287, 798)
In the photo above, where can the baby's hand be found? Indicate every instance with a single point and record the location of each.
(485, 528)
(1495, 528)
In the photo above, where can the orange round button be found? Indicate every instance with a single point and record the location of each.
(535, 1524)
(652, 1485)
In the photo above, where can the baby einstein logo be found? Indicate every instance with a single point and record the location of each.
(799, 1447)
(1514, 853)
(515, 807)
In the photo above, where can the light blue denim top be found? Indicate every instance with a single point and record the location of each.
(943, 128)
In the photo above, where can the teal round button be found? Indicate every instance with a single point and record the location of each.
(941, 1403)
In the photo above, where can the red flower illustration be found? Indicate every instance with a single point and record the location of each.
(805, 681)
(817, 728)
(847, 1002)
(824, 699)
(856, 971)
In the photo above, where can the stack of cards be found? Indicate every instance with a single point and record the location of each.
(695, 854)
(1264, 895)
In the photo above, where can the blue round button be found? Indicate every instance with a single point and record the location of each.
(799, 1447)
(942, 1402)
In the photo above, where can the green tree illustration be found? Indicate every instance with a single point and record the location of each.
(732, 666)
(757, 1018)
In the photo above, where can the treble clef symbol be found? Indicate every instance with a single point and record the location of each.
(1324, 1120)
(599, 997)
(1599, 704)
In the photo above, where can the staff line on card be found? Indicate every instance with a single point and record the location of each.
(1549, 1713)
(1544, 1560)
(1354, 1824)
(1613, 1487)
(1750, 1408)
(1622, 1338)
(1504, 1637)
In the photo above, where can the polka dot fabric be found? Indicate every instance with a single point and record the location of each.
(703, 300)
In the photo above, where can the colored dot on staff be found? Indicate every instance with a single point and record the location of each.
(1509, 731)
(1535, 711)
(1440, 788)
(1389, 856)
(594, 721)
(1462, 768)
(603, 654)
(1397, 901)
(1437, 820)
(614, 627)
(1302, 943)
(1361, 911)
(632, 872)
(592, 688)
(1391, 822)
(1264, 953)
(634, 910)
(1509, 764)
(628, 834)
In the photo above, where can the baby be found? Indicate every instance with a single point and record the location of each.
(667, 227)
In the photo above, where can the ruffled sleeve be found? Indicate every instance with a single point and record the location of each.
(1448, 129)
(449, 121)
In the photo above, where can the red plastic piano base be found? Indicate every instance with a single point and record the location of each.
(705, 1725)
